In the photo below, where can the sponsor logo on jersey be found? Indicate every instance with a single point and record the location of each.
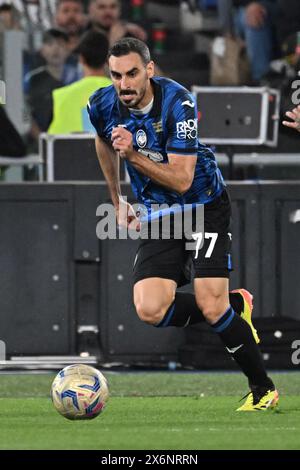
(141, 138)
(154, 156)
(187, 129)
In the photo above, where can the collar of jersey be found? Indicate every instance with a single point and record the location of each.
(156, 108)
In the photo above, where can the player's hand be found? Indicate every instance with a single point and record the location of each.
(295, 116)
(122, 141)
(126, 216)
(255, 15)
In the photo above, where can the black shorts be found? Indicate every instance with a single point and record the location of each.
(170, 258)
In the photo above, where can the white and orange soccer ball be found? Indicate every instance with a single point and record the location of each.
(79, 392)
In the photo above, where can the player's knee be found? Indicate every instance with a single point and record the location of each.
(151, 312)
(212, 307)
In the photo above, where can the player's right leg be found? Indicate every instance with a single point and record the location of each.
(153, 297)
(158, 270)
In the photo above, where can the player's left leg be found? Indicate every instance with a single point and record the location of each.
(212, 265)
(213, 300)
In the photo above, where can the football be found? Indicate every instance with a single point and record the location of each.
(79, 392)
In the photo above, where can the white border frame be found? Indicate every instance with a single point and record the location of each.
(262, 138)
(49, 156)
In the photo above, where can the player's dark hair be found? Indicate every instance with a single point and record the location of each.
(127, 45)
(93, 47)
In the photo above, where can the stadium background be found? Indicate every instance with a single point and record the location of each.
(66, 296)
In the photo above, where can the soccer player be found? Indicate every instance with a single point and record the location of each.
(151, 122)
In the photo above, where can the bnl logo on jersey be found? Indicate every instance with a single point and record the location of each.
(2, 92)
(187, 129)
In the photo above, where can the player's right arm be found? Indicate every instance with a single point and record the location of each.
(109, 163)
(109, 159)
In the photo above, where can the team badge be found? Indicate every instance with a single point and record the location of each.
(141, 138)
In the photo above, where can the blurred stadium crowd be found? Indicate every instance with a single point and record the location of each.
(202, 42)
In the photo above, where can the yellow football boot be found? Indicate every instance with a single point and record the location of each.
(255, 402)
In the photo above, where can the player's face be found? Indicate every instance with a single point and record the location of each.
(105, 12)
(70, 17)
(131, 79)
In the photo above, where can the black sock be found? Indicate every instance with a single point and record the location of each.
(237, 302)
(182, 312)
(237, 336)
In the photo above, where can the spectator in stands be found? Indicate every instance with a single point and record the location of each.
(9, 17)
(43, 80)
(70, 18)
(105, 15)
(295, 116)
(70, 113)
(255, 22)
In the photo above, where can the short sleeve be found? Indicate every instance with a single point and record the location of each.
(94, 116)
(182, 125)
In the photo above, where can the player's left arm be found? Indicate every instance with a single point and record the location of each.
(182, 147)
(178, 175)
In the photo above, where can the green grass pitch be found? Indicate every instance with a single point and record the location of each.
(180, 411)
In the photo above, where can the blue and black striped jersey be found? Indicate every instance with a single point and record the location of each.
(169, 128)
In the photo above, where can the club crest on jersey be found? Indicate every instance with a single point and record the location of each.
(141, 138)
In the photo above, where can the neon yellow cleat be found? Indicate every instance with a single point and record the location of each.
(255, 402)
(247, 312)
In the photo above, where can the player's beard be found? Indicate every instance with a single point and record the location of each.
(135, 101)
